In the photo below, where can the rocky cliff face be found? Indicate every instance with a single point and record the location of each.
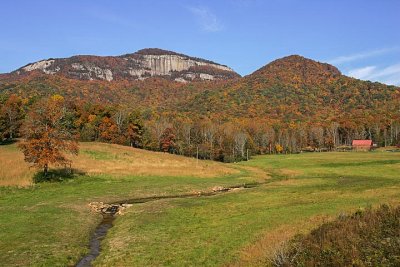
(137, 66)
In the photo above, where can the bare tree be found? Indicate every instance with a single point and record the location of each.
(334, 131)
(209, 132)
(159, 127)
(317, 135)
(240, 142)
(187, 131)
(120, 117)
(302, 134)
(268, 138)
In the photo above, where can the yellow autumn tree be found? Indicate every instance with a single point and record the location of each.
(278, 148)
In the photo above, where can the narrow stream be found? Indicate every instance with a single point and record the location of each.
(95, 240)
(109, 217)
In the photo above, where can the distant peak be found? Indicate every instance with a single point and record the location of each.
(298, 69)
(296, 61)
(155, 51)
(140, 65)
(294, 57)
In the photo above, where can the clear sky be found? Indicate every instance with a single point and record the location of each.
(360, 37)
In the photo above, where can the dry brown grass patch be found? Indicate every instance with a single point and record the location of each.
(256, 173)
(14, 171)
(99, 158)
(122, 160)
(257, 254)
(289, 173)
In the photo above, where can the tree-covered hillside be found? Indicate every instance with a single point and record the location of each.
(289, 105)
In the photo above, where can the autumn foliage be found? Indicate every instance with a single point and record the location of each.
(167, 142)
(291, 105)
(11, 115)
(45, 135)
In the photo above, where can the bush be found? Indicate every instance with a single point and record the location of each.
(366, 238)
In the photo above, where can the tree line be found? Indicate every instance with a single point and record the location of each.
(201, 136)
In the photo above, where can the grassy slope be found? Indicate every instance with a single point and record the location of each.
(238, 228)
(366, 238)
(49, 224)
(13, 170)
(41, 224)
(115, 160)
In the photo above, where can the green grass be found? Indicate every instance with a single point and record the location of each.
(213, 231)
(49, 224)
(98, 155)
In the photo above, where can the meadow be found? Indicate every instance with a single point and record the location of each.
(50, 223)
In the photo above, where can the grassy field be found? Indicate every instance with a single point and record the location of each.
(49, 224)
(115, 160)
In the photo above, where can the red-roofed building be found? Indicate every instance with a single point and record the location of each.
(362, 144)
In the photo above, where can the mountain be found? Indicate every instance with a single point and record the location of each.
(297, 89)
(293, 102)
(289, 105)
(297, 69)
(292, 88)
(140, 65)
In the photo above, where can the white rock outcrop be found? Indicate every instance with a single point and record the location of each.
(42, 65)
(165, 64)
(139, 66)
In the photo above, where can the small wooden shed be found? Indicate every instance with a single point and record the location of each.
(364, 145)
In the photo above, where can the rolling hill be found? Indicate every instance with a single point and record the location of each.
(295, 88)
(293, 102)
(290, 88)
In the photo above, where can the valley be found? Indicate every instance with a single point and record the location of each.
(296, 193)
(238, 133)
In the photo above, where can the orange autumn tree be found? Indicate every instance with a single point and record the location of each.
(45, 134)
(11, 113)
(167, 142)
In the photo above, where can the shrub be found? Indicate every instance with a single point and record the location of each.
(366, 238)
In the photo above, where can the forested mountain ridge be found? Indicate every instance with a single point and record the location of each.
(287, 105)
(289, 87)
(140, 65)
(297, 69)
(296, 89)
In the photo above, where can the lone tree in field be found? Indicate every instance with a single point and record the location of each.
(46, 136)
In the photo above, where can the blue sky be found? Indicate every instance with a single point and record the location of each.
(360, 37)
